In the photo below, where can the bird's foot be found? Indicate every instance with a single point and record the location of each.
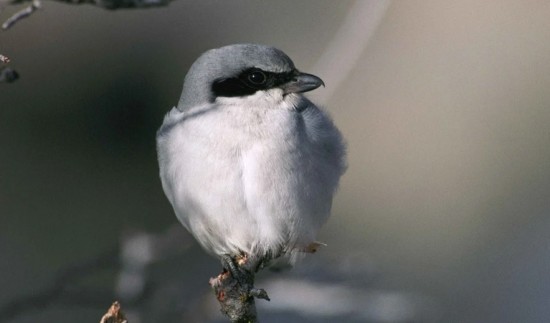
(259, 293)
(234, 267)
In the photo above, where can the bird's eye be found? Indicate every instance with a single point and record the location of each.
(257, 77)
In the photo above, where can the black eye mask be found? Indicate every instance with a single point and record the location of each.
(249, 82)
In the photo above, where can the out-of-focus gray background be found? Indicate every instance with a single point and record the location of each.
(443, 215)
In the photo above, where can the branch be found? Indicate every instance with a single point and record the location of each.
(120, 4)
(234, 289)
(21, 14)
(8, 75)
(114, 315)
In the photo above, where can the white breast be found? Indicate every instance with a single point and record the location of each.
(251, 175)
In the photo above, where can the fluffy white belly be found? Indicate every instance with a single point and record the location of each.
(258, 182)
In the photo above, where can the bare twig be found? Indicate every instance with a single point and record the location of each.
(120, 4)
(9, 75)
(235, 299)
(21, 14)
(105, 4)
(234, 289)
(114, 315)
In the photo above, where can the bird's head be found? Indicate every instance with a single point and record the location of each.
(242, 70)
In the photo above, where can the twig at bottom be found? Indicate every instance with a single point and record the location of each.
(114, 315)
(234, 289)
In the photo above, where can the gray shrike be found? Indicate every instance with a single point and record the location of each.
(248, 163)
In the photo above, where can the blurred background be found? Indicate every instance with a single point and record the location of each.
(442, 216)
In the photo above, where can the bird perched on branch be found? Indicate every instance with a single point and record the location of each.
(248, 163)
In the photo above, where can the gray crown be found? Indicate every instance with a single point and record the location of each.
(225, 62)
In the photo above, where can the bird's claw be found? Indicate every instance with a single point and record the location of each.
(243, 277)
(234, 269)
(259, 293)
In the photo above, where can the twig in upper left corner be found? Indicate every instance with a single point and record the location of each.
(24, 13)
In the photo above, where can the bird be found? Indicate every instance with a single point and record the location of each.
(248, 163)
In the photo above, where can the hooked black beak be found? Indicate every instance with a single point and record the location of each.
(302, 82)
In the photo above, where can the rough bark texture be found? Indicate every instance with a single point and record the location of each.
(234, 297)
(234, 289)
(114, 315)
